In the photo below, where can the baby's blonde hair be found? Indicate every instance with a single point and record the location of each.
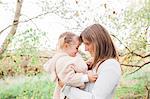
(66, 37)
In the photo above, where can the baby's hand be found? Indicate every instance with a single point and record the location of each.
(92, 77)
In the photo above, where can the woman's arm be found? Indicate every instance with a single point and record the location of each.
(108, 78)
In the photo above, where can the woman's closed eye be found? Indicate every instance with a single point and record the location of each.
(86, 43)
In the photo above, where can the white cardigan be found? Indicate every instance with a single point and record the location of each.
(109, 74)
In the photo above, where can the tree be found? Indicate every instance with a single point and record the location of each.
(13, 28)
(136, 44)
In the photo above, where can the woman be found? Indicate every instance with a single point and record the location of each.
(98, 42)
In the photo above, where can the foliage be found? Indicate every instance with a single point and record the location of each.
(34, 87)
(24, 57)
(28, 40)
(138, 21)
(133, 86)
(132, 24)
(40, 87)
(135, 25)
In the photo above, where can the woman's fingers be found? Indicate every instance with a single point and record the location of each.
(92, 77)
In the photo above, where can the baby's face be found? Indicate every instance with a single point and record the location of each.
(72, 49)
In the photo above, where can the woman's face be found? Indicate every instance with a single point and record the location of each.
(88, 46)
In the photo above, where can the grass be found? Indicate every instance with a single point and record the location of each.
(133, 90)
(40, 87)
(133, 86)
(34, 87)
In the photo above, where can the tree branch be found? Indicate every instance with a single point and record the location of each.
(30, 19)
(5, 28)
(135, 70)
(131, 52)
(14, 26)
(139, 66)
(129, 65)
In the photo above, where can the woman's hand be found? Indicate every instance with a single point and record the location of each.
(92, 77)
(61, 84)
(89, 62)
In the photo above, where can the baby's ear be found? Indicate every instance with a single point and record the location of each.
(66, 45)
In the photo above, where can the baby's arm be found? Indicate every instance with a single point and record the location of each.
(74, 79)
(69, 75)
(77, 79)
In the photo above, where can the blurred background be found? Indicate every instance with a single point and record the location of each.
(29, 30)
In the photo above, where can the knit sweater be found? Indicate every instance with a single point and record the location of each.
(68, 69)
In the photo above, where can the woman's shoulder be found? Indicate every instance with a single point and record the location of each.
(111, 61)
(112, 64)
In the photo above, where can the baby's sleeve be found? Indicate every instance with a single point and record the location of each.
(46, 66)
(70, 77)
(80, 64)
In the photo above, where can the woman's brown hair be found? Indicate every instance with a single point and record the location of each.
(102, 42)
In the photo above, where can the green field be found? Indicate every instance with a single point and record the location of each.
(40, 87)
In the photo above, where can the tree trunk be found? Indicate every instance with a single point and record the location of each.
(14, 27)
